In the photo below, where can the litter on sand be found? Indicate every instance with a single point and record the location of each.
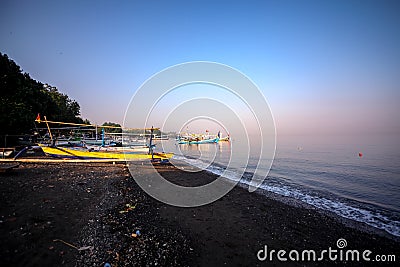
(72, 246)
(128, 208)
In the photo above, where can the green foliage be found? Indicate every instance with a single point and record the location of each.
(135, 131)
(112, 130)
(86, 121)
(157, 132)
(22, 98)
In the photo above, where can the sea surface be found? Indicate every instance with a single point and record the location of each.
(356, 177)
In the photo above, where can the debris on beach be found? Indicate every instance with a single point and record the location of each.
(119, 240)
(73, 246)
(57, 221)
(128, 208)
(136, 234)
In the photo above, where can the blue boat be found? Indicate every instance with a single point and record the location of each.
(197, 142)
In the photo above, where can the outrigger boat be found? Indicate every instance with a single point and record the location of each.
(197, 142)
(201, 138)
(118, 149)
(84, 153)
(87, 152)
(225, 139)
(164, 137)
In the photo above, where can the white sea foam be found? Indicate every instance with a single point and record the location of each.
(372, 218)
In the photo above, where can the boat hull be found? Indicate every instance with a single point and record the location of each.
(70, 153)
(143, 149)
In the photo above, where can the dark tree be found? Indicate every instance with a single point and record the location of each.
(22, 98)
(112, 130)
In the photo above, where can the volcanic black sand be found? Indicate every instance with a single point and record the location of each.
(70, 214)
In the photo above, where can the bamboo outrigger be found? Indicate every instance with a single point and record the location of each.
(88, 154)
(82, 153)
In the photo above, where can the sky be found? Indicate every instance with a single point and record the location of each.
(323, 66)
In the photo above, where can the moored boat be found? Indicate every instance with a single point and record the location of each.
(163, 137)
(225, 139)
(110, 151)
(120, 149)
(84, 153)
(197, 142)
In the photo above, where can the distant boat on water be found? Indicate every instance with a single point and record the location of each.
(163, 137)
(201, 138)
(225, 139)
(197, 142)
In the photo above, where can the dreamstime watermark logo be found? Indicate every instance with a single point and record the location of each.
(341, 243)
(235, 103)
(330, 254)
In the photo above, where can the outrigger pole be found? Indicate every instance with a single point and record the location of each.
(92, 125)
(48, 128)
(95, 125)
(151, 143)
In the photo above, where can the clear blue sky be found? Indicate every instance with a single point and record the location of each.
(324, 66)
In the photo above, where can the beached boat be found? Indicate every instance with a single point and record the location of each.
(84, 153)
(119, 149)
(110, 151)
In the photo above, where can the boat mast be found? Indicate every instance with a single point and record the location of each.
(151, 143)
(102, 137)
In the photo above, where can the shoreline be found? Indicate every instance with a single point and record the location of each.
(281, 222)
(296, 203)
(87, 206)
(357, 225)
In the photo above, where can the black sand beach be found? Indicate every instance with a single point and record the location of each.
(92, 214)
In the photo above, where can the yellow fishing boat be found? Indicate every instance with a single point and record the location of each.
(90, 153)
(82, 153)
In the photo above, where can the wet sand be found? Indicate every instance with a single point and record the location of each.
(50, 211)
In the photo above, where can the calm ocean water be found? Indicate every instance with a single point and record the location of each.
(327, 173)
